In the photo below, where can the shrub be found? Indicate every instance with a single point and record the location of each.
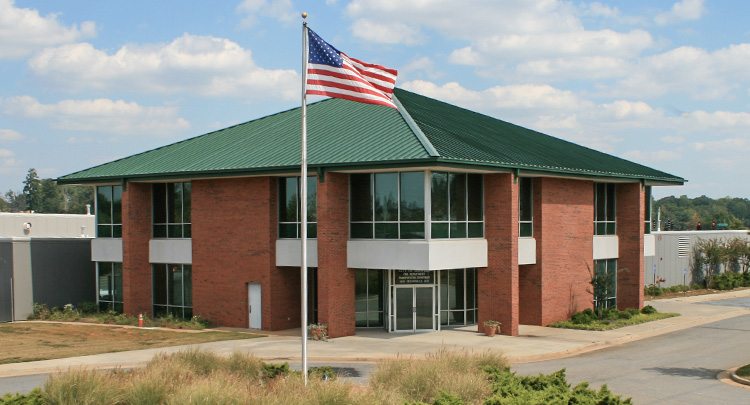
(88, 308)
(648, 309)
(35, 397)
(632, 311)
(582, 318)
(696, 286)
(652, 290)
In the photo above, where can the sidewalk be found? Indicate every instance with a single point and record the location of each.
(534, 343)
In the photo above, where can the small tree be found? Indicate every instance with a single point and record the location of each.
(32, 190)
(714, 253)
(602, 284)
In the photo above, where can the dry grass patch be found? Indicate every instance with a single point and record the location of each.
(32, 341)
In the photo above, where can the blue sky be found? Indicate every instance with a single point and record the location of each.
(662, 83)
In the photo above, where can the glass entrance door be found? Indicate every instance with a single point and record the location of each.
(415, 307)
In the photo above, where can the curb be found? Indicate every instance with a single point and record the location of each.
(733, 375)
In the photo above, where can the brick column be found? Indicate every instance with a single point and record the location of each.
(136, 234)
(335, 280)
(234, 232)
(498, 282)
(530, 276)
(630, 216)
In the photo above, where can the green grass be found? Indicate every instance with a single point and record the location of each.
(743, 372)
(613, 324)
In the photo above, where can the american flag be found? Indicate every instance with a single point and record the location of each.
(331, 73)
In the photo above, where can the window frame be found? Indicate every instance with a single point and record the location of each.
(178, 310)
(472, 228)
(608, 206)
(168, 226)
(111, 228)
(312, 223)
(528, 232)
(610, 266)
(115, 303)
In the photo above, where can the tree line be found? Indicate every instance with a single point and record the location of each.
(685, 213)
(46, 196)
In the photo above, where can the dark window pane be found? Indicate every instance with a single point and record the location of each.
(288, 231)
(104, 205)
(312, 231)
(117, 204)
(361, 319)
(160, 311)
(526, 229)
(160, 284)
(601, 202)
(360, 290)
(105, 281)
(361, 197)
(440, 231)
(188, 313)
(117, 231)
(412, 230)
(118, 307)
(471, 285)
(458, 230)
(444, 317)
(601, 228)
(117, 273)
(457, 184)
(412, 196)
(611, 200)
(175, 285)
(174, 201)
(288, 199)
(611, 228)
(525, 200)
(104, 231)
(312, 193)
(160, 231)
(476, 229)
(160, 203)
(386, 231)
(474, 196)
(174, 231)
(375, 291)
(439, 204)
(187, 231)
(375, 319)
(386, 197)
(187, 281)
(187, 193)
(361, 231)
(105, 306)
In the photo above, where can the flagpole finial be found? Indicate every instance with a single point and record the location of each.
(304, 15)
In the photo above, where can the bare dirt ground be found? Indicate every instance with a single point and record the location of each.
(32, 341)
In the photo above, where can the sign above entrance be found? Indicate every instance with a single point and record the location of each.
(415, 277)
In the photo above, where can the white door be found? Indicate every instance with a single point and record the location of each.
(253, 307)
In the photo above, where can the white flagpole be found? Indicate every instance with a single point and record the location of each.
(303, 192)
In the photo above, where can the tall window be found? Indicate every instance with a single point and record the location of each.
(290, 221)
(109, 284)
(525, 208)
(457, 205)
(647, 215)
(458, 297)
(606, 289)
(369, 287)
(387, 205)
(109, 212)
(173, 290)
(604, 213)
(171, 205)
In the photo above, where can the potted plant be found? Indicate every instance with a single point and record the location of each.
(491, 327)
(318, 331)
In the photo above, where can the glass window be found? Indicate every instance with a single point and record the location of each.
(369, 302)
(171, 210)
(525, 207)
(457, 202)
(387, 205)
(604, 209)
(172, 290)
(647, 214)
(458, 303)
(605, 289)
(109, 211)
(289, 208)
(109, 284)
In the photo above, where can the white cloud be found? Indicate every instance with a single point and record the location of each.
(672, 139)
(651, 157)
(729, 144)
(280, 10)
(685, 10)
(420, 66)
(201, 65)
(100, 115)
(9, 134)
(23, 30)
(387, 33)
(5, 153)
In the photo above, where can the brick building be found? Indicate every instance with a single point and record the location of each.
(424, 218)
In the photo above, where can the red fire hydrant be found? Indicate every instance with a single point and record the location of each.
(140, 320)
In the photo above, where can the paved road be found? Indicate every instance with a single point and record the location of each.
(677, 368)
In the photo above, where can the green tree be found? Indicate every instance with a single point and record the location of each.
(75, 198)
(16, 201)
(50, 197)
(31, 190)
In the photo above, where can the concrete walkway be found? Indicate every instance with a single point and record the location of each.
(534, 343)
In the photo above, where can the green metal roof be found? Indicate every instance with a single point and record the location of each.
(344, 134)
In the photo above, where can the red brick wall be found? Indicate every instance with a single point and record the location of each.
(530, 275)
(335, 280)
(630, 216)
(234, 232)
(136, 233)
(564, 235)
(498, 282)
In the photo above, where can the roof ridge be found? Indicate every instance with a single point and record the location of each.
(429, 148)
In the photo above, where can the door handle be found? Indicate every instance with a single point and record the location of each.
(250, 308)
